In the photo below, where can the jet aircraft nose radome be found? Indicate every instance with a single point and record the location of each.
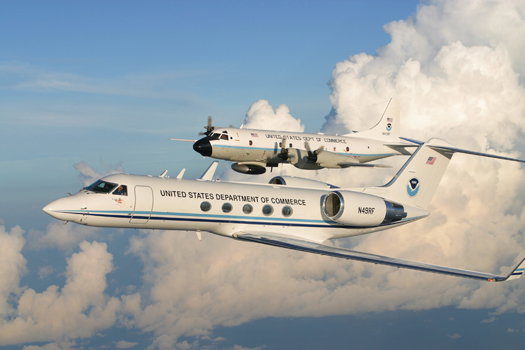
(60, 209)
(203, 146)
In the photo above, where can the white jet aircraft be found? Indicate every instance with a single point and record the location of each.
(254, 150)
(289, 212)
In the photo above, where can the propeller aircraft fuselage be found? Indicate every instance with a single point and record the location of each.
(254, 150)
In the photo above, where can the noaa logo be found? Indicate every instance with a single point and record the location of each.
(413, 187)
(388, 126)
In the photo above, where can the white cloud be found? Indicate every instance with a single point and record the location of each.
(64, 236)
(60, 345)
(454, 336)
(261, 115)
(125, 344)
(78, 310)
(12, 267)
(489, 320)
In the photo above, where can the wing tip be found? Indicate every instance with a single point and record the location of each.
(517, 272)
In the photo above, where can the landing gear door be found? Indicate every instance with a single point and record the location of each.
(143, 205)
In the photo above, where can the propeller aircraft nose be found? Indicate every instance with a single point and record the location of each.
(203, 146)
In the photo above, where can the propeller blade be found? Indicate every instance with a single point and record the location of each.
(307, 146)
(209, 127)
(284, 151)
(312, 156)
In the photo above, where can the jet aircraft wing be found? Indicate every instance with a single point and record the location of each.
(318, 248)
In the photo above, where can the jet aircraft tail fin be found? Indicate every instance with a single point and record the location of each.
(417, 181)
(388, 127)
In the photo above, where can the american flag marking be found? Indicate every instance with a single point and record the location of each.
(431, 160)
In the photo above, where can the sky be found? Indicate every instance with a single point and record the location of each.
(92, 88)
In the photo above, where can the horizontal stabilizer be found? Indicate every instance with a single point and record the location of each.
(451, 150)
(458, 150)
(402, 147)
(317, 248)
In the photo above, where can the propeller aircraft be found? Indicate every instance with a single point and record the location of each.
(254, 150)
(288, 212)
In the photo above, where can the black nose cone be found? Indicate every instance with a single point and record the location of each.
(203, 146)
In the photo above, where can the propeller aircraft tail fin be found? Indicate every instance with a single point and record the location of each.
(388, 127)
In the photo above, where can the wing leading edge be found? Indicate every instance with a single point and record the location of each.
(317, 248)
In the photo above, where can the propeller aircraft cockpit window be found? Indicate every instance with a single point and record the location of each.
(101, 187)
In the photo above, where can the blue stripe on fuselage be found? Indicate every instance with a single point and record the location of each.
(161, 216)
(278, 150)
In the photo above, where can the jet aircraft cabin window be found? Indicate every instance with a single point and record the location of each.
(205, 206)
(247, 209)
(267, 210)
(226, 207)
(101, 186)
(287, 211)
(122, 190)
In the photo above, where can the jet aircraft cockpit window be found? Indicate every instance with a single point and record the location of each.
(101, 186)
(122, 190)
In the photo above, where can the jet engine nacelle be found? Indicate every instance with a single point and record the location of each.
(293, 181)
(360, 209)
(249, 168)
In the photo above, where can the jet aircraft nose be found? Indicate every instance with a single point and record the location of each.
(203, 146)
(62, 209)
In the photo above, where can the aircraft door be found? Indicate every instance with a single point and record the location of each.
(143, 205)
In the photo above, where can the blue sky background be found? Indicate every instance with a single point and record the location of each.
(107, 84)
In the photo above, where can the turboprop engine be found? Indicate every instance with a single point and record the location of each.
(360, 209)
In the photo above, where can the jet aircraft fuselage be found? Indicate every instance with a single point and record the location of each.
(225, 208)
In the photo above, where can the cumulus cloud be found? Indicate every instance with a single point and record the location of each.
(125, 344)
(64, 236)
(79, 309)
(489, 320)
(261, 115)
(12, 267)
